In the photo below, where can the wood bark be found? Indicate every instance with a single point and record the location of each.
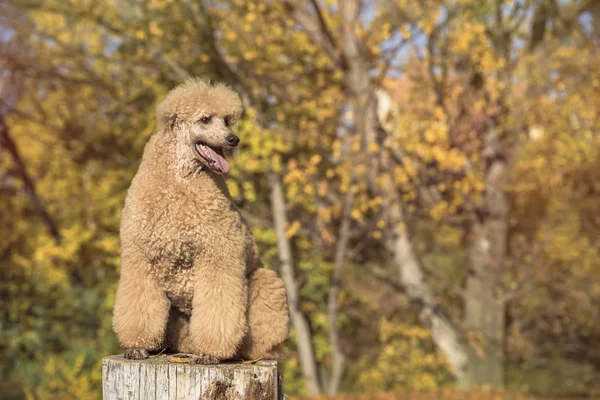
(159, 379)
(299, 321)
(484, 311)
(338, 356)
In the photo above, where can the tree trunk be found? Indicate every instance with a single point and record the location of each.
(337, 354)
(299, 322)
(484, 311)
(485, 319)
(445, 335)
(157, 378)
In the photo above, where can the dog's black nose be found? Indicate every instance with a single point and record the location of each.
(232, 140)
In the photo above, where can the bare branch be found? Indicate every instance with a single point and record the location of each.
(339, 359)
(445, 282)
(388, 62)
(324, 27)
(351, 43)
(10, 146)
(386, 277)
(316, 31)
(517, 18)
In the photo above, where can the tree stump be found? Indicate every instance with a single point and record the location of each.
(157, 378)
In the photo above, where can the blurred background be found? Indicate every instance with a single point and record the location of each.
(423, 174)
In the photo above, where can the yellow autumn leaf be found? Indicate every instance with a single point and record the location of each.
(292, 229)
(154, 29)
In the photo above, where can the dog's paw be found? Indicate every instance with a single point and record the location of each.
(205, 359)
(136, 353)
(201, 359)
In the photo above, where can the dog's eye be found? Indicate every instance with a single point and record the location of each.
(206, 119)
(227, 120)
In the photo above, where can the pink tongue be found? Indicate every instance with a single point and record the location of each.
(222, 163)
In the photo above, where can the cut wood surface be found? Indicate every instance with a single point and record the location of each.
(158, 378)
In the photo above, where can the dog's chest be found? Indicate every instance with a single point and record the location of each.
(171, 264)
(175, 243)
(174, 227)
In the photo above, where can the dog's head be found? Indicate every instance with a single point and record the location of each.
(199, 115)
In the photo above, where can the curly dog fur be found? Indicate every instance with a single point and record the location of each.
(191, 277)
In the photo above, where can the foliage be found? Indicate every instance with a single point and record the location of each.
(74, 376)
(406, 360)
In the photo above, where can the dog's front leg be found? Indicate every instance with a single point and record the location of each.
(218, 321)
(141, 307)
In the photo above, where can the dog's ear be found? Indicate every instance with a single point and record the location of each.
(171, 122)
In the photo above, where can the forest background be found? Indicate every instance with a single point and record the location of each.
(423, 175)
